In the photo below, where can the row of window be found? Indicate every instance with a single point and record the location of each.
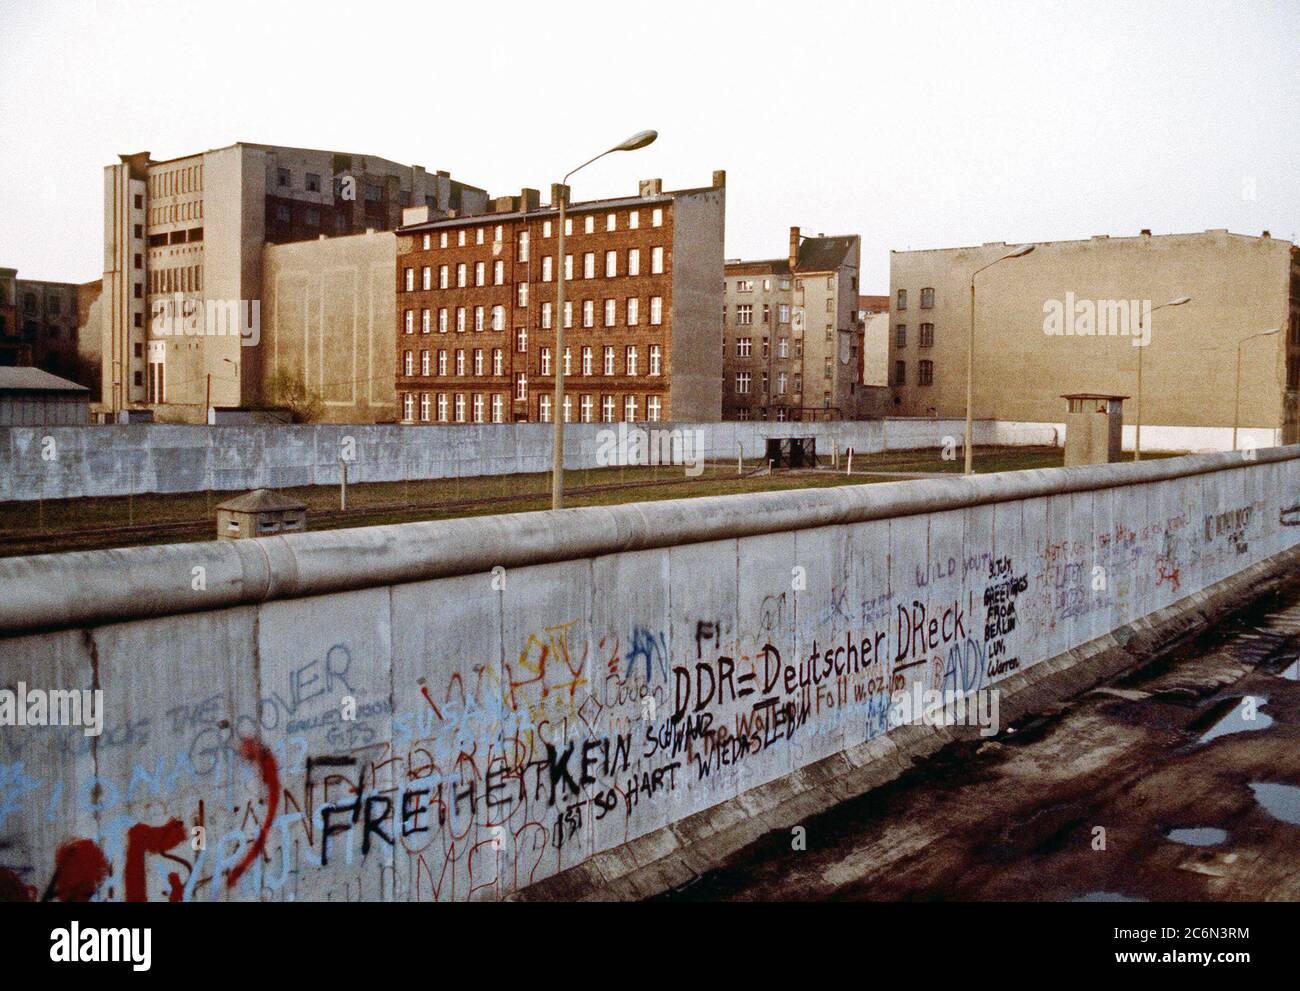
(186, 278)
(631, 221)
(747, 285)
(477, 407)
(745, 379)
(745, 314)
(478, 359)
(480, 314)
(53, 304)
(927, 335)
(927, 299)
(631, 361)
(632, 267)
(745, 347)
(924, 373)
(188, 179)
(170, 214)
(780, 413)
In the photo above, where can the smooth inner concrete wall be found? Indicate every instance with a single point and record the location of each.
(456, 710)
(140, 458)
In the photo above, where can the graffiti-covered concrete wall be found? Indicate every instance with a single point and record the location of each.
(458, 710)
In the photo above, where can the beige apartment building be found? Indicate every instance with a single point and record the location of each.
(477, 309)
(792, 337)
(327, 319)
(183, 291)
(1071, 316)
(873, 314)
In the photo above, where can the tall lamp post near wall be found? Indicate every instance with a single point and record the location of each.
(1236, 402)
(207, 409)
(1137, 431)
(1019, 252)
(638, 140)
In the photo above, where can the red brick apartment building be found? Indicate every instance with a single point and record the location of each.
(643, 294)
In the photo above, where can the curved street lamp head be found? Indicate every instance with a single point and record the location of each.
(1269, 332)
(638, 140)
(1021, 251)
(1179, 301)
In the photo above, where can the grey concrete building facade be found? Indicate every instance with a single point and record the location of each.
(792, 336)
(183, 242)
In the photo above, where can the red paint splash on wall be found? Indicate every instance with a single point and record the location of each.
(80, 867)
(142, 839)
(255, 752)
(12, 888)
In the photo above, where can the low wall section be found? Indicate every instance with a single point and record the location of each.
(68, 462)
(461, 709)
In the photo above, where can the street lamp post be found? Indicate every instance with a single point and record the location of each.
(1236, 401)
(207, 409)
(1020, 252)
(638, 140)
(1137, 432)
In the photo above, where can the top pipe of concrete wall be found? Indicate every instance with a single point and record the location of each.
(52, 591)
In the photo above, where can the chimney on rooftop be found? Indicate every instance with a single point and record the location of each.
(650, 187)
(1146, 231)
(719, 178)
(794, 247)
(558, 190)
(529, 199)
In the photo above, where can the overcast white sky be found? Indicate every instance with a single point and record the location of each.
(915, 124)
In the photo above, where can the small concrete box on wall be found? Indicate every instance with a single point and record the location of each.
(1094, 424)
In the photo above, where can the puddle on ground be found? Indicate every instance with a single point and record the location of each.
(1235, 719)
(1106, 896)
(1279, 801)
(1198, 836)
